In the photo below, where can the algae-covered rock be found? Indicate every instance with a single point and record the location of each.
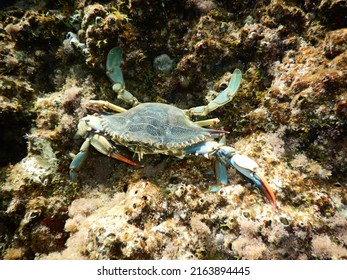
(289, 115)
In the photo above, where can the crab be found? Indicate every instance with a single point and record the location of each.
(157, 128)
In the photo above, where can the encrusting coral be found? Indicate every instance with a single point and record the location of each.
(289, 115)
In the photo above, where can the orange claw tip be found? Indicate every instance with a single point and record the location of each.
(267, 191)
(125, 159)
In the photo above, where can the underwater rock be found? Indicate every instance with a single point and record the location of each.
(289, 115)
(333, 13)
(163, 63)
(335, 43)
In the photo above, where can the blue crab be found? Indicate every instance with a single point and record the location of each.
(156, 128)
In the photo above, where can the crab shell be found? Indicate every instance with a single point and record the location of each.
(152, 128)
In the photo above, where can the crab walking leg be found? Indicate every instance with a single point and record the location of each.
(208, 122)
(207, 149)
(107, 105)
(113, 63)
(102, 145)
(220, 172)
(125, 95)
(114, 72)
(223, 98)
(79, 159)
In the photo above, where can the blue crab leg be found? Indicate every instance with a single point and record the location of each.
(222, 98)
(219, 167)
(114, 72)
(79, 159)
(248, 168)
(107, 105)
(202, 148)
(208, 148)
(225, 155)
(208, 122)
(220, 172)
(102, 145)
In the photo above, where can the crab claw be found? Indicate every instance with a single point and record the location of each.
(125, 159)
(248, 168)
